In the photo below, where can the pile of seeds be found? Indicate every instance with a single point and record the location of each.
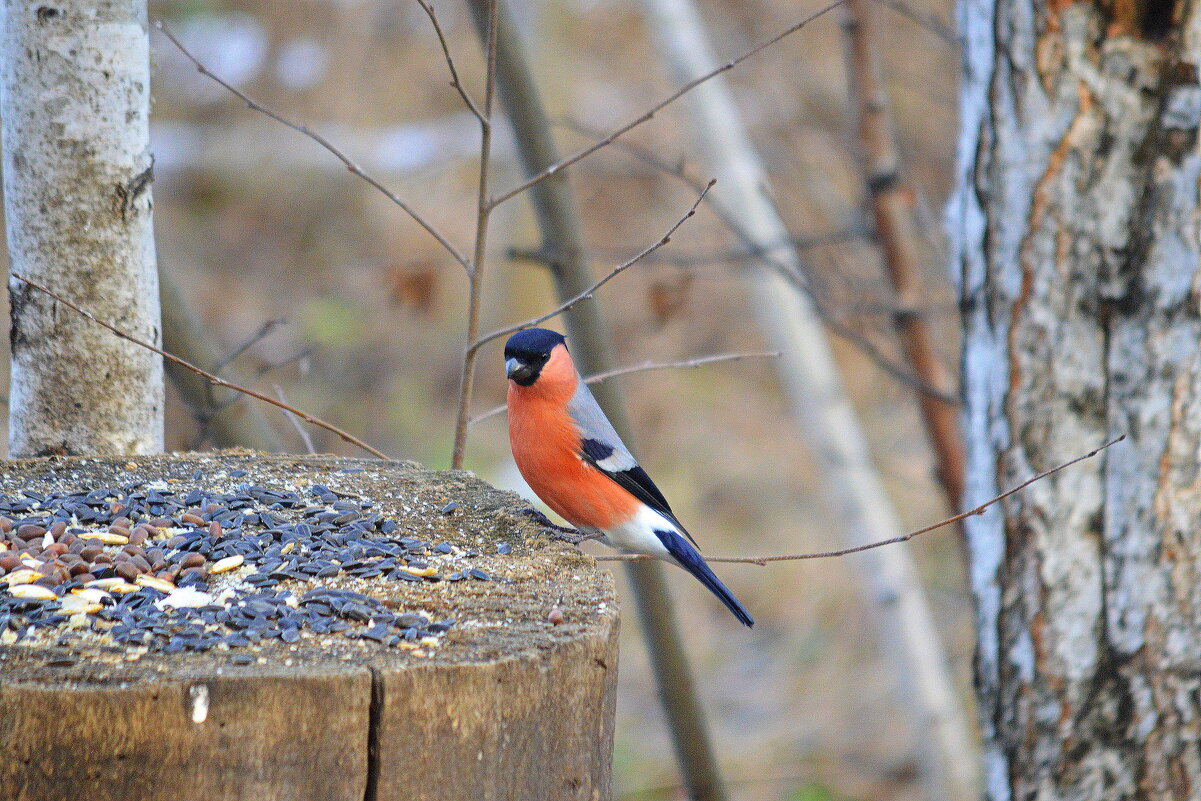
(146, 565)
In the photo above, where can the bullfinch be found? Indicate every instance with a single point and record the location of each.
(570, 455)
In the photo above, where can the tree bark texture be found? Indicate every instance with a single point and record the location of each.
(77, 175)
(1076, 227)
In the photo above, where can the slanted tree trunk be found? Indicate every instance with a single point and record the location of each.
(818, 400)
(77, 175)
(562, 240)
(1076, 223)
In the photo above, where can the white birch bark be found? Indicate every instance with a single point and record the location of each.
(815, 391)
(1076, 228)
(77, 175)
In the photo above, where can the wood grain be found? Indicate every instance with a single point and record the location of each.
(267, 734)
(520, 728)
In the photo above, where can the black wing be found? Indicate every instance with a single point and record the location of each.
(633, 480)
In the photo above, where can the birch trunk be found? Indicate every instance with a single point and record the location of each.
(1077, 228)
(77, 175)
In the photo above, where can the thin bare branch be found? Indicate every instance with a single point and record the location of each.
(218, 381)
(262, 371)
(647, 367)
(881, 359)
(270, 367)
(829, 319)
(711, 258)
(979, 510)
(428, 8)
(697, 362)
(587, 293)
(476, 273)
(928, 21)
(662, 104)
(295, 421)
(337, 152)
(264, 331)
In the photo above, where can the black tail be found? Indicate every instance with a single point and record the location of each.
(691, 560)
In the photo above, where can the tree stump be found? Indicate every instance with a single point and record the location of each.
(459, 683)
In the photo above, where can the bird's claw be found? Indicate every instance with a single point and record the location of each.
(571, 535)
(538, 517)
(557, 532)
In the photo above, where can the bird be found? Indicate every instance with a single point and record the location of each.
(572, 458)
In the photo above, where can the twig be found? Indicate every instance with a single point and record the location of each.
(697, 362)
(270, 367)
(301, 430)
(662, 104)
(428, 8)
(476, 272)
(258, 336)
(930, 22)
(713, 258)
(830, 320)
(221, 382)
(587, 293)
(185, 335)
(350, 164)
(763, 560)
(646, 367)
(261, 372)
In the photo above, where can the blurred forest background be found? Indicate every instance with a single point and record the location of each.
(357, 315)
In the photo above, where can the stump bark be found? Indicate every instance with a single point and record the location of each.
(506, 705)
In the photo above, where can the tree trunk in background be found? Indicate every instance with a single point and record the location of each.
(77, 175)
(891, 201)
(228, 418)
(1076, 224)
(815, 393)
(563, 240)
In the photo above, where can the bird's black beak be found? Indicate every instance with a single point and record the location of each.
(518, 371)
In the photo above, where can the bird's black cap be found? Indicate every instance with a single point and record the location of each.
(533, 344)
(527, 352)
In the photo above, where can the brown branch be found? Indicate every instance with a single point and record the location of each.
(587, 293)
(647, 367)
(428, 8)
(662, 104)
(476, 273)
(349, 163)
(897, 235)
(979, 510)
(221, 382)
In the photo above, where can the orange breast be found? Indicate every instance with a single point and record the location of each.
(546, 444)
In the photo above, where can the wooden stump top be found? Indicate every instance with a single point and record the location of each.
(507, 702)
